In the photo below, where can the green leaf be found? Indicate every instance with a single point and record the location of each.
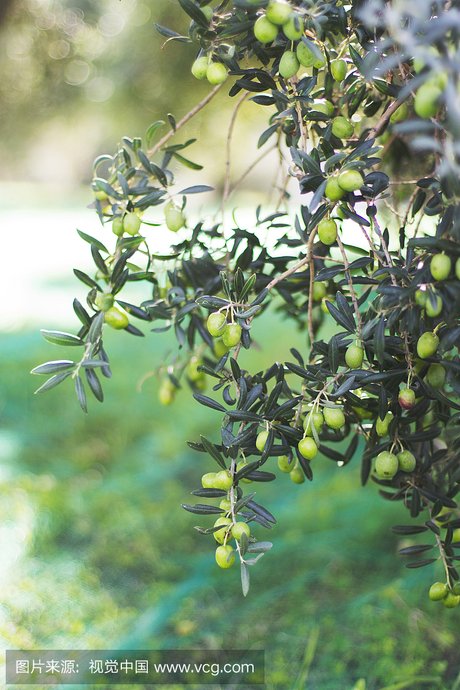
(152, 130)
(245, 580)
(53, 382)
(93, 241)
(54, 367)
(61, 338)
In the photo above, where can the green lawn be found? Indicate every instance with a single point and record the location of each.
(100, 554)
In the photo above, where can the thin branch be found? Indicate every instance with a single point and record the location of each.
(229, 147)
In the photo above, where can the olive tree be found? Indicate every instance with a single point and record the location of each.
(361, 100)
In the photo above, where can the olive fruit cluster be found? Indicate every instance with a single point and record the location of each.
(205, 68)
(129, 223)
(440, 591)
(218, 327)
(337, 186)
(387, 463)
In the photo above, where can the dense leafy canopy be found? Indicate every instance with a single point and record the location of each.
(358, 97)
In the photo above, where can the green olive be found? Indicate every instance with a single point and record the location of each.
(294, 27)
(342, 128)
(200, 67)
(426, 102)
(167, 393)
(223, 480)
(216, 73)
(216, 323)
(338, 69)
(261, 440)
(451, 601)
(278, 12)
(289, 65)
(174, 217)
(354, 356)
(457, 269)
(231, 336)
(306, 56)
(307, 448)
(319, 291)
(435, 376)
(334, 417)
(265, 31)
(221, 534)
(286, 463)
(117, 226)
(438, 591)
(220, 349)
(421, 297)
(381, 425)
(193, 372)
(104, 300)
(400, 114)
(225, 505)
(131, 223)
(440, 266)
(434, 305)
(296, 475)
(116, 318)
(350, 180)
(225, 556)
(325, 107)
(407, 461)
(327, 231)
(240, 528)
(208, 480)
(333, 190)
(427, 345)
(386, 465)
(240, 465)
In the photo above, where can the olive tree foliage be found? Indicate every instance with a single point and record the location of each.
(355, 96)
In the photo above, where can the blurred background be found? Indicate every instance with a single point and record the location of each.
(95, 549)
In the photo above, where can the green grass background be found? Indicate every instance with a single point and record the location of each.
(111, 560)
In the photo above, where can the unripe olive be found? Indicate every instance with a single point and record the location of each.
(286, 463)
(327, 231)
(435, 376)
(200, 67)
(232, 334)
(261, 440)
(240, 528)
(116, 318)
(216, 323)
(225, 556)
(225, 505)
(440, 266)
(220, 349)
(313, 419)
(438, 591)
(223, 480)
(131, 223)
(324, 301)
(354, 356)
(342, 128)
(381, 425)
(294, 27)
(221, 534)
(174, 217)
(433, 308)
(427, 345)
(421, 297)
(296, 475)
(325, 107)
(307, 448)
(407, 461)
(265, 31)
(333, 190)
(406, 398)
(457, 269)
(350, 180)
(456, 588)
(193, 373)
(289, 65)
(100, 195)
(339, 69)
(104, 300)
(399, 114)
(319, 291)
(278, 12)
(451, 601)
(426, 101)
(386, 465)
(208, 480)
(216, 73)
(240, 465)
(334, 417)
(307, 57)
(117, 226)
(166, 395)
(456, 536)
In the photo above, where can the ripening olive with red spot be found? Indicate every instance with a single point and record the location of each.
(293, 29)
(327, 231)
(116, 318)
(216, 73)
(435, 376)
(338, 69)
(386, 465)
(334, 417)
(200, 67)
(438, 591)
(240, 528)
(354, 356)
(225, 556)
(289, 65)
(407, 461)
(221, 534)
(333, 190)
(350, 180)
(381, 425)
(440, 266)
(216, 323)
(427, 345)
(231, 336)
(342, 128)
(406, 398)
(307, 448)
(265, 31)
(131, 223)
